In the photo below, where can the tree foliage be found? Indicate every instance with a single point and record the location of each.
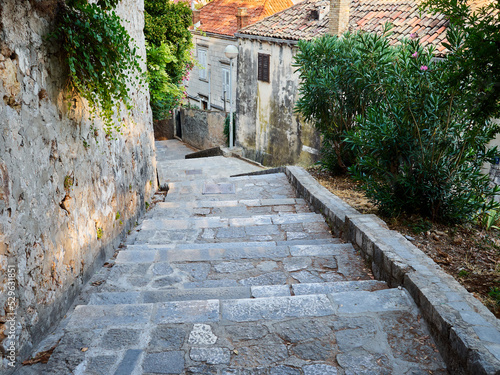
(169, 45)
(473, 61)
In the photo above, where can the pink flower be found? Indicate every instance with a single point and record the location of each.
(414, 55)
(423, 68)
(413, 35)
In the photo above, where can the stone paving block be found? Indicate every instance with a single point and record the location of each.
(315, 350)
(296, 235)
(278, 202)
(298, 218)
(378, 301)
(196, 271)
(361, 362)
(187, 312)
(284, 370)
(273, 308)
(120, 338)
(167, 337)
(117, 298)
(296, 263)
(306, 277)
(128, 363)
(215, 254)
(209, 188)
(248, 221)
(165, 224)
(210, 284)
(136, 256)
(209, 222)
(338, 287)
(231, 267)
(212, 356)
(303, 329)
(267, 266)
(195, 294)
(319, 250)
(270, 291)
(164, 363)
(319, 369)
(104, 316)
(250, 357)
(272, 278)
(262, 230)
(202, 334)
(100, 364)
(231, 232)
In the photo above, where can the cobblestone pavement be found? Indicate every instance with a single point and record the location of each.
(237, 276)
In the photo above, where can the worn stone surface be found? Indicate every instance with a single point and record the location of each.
(179, 306)
(61, 179)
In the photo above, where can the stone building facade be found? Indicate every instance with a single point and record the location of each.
(68, 195)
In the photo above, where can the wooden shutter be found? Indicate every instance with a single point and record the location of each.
(263, 67)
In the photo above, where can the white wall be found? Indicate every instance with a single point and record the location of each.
(217, 61)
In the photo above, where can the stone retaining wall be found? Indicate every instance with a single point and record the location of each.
(467, 333)
(202, 129)
(67, 194)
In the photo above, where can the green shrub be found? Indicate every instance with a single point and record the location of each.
(420, 150)
(100, 57)
(331, 93)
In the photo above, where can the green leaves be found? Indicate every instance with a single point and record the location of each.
(415, 141)
(99, 56)
(168, 54)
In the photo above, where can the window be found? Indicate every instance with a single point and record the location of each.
(225, 83)
(202, 59)
(263, 67)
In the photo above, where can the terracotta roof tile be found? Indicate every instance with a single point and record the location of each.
(219, 16)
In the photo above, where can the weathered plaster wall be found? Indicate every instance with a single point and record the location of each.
(202, 129)
(268, 130)
(218, 61)
(59, 179)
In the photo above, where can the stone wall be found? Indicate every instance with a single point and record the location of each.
(68, 195)
(267, 128)
(202, 129)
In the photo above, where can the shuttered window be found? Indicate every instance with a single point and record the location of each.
(202, 59)
(263, 69)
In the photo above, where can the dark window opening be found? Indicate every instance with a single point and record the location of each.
(263, 67)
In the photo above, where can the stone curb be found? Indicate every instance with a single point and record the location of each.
(466, 332)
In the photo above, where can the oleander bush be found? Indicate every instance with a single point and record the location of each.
(401, 122)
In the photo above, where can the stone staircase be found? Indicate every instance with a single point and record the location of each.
(238, 276)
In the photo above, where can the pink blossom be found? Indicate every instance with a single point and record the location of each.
(414, 55)
(413, 35)
(424, 68)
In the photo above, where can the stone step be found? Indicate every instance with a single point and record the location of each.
(227, 208)
(231, 253)
(273, 186)
(205, 245)
(222, 222)
(239, 292)
(140, 315)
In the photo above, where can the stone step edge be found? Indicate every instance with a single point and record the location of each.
(219, 253)
(466, 332)
(208, 245)
(239, 310)
(232, 203)
(257, 291)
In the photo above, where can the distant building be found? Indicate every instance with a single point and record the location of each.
(268, 130)
(214, 27)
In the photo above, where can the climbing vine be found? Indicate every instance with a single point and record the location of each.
(100, 57)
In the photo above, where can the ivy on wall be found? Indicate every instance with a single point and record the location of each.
(100, 56)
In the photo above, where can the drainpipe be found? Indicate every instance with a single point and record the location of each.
(209, 87)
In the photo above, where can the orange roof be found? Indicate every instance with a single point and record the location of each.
(299, 22)
(219, 16)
